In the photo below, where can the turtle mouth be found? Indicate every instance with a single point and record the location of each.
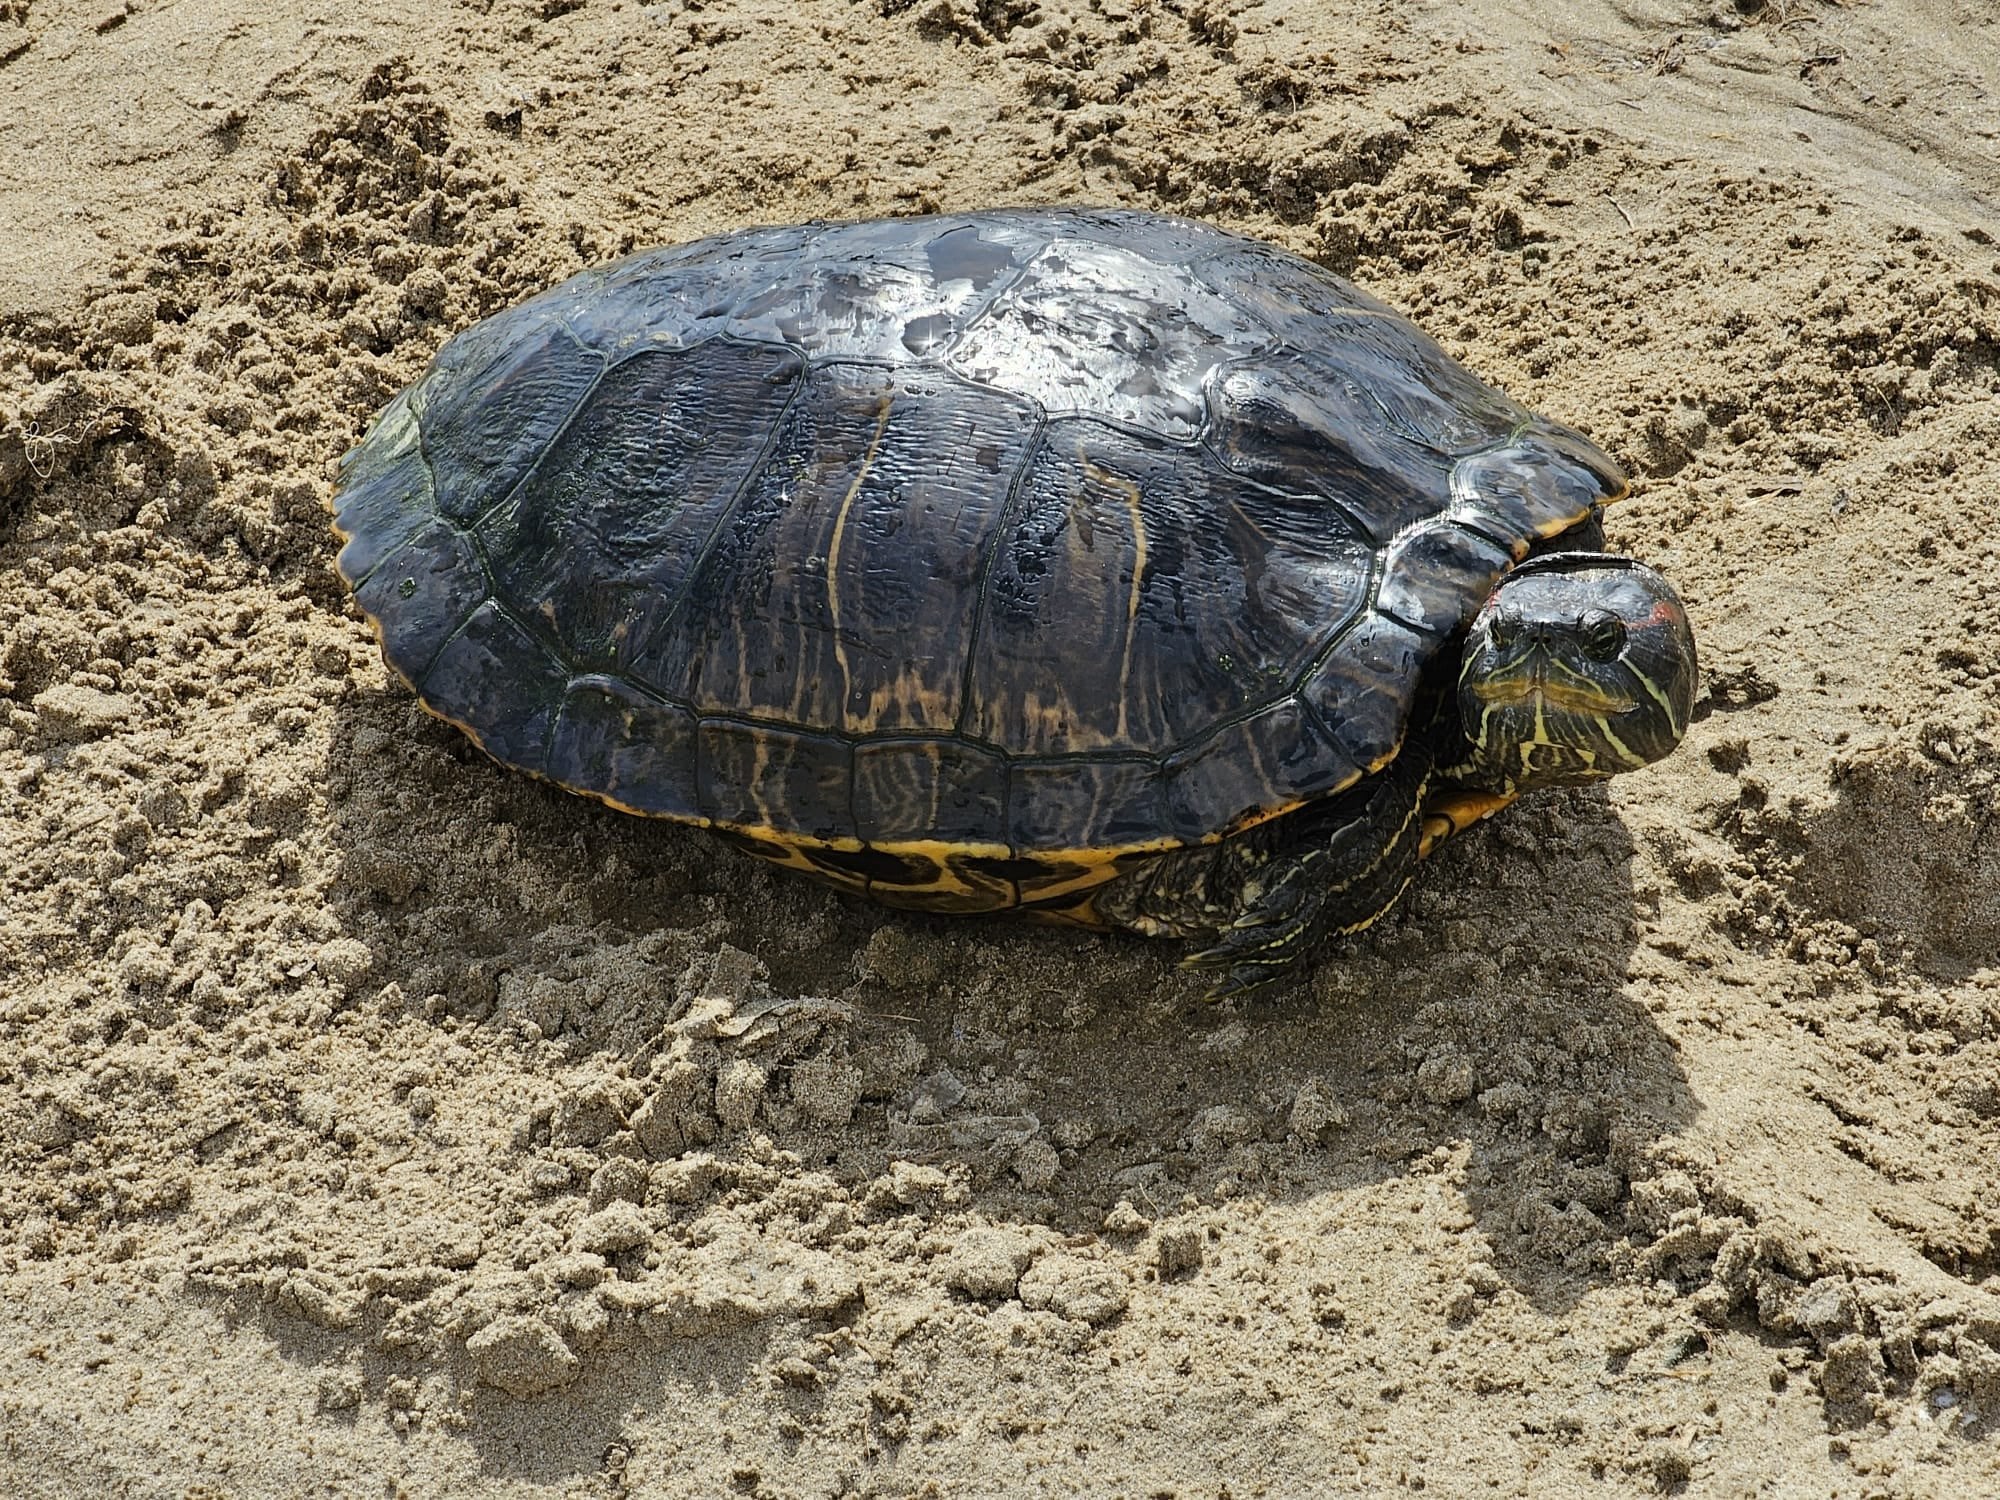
(1554, 688)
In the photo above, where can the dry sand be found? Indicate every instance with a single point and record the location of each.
(375, 1122)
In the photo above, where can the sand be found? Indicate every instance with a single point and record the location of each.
(376, 1122)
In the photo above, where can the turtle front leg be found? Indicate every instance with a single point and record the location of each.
(1456, 810)
(1271, 894)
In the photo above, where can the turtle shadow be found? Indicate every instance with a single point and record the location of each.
(1482, 1039)
(1489, 1013)
(1484, 1033)
(456, 871)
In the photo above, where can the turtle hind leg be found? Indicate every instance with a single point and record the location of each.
(1270, 895)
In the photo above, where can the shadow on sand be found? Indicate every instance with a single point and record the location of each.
(1485, 1030)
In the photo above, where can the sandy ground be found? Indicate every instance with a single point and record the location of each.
(374, 1122)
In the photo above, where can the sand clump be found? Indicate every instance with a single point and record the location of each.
(485, 1140)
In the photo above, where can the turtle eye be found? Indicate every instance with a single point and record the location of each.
(1603, 634)
(1501, 629)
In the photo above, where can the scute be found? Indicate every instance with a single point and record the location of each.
(1250, 766)
(615, 741)
(953, 559)
(421, 593)
(495, 678)
(385, 494)
(868, 518)
(585, 540)
(1435, 575)
(1536, 487)
(1164, 332)
(490, 410)
(1139, 594)
(943, 789)
(1364, 690)
(755, 776)
(1102, 803)
(1287, 424)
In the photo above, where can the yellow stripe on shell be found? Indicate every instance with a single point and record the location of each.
(1129, 488)
(833, 555)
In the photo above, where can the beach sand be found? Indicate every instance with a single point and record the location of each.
(376, 1122)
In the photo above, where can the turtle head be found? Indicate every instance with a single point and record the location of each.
(1580, 665)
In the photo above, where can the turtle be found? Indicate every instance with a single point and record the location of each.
(1100, 564)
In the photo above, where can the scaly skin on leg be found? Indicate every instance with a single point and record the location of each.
(1271, 894)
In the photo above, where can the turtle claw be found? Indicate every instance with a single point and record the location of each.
(1242, 979)
(1252, 955)
(1265, 944)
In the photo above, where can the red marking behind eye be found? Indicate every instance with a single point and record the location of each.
(1665, 613)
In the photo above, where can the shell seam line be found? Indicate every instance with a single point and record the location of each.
(1008, 508)
(604, 367)
(914, 737)
(750, 473)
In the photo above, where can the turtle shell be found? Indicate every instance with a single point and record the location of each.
(957, 558)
